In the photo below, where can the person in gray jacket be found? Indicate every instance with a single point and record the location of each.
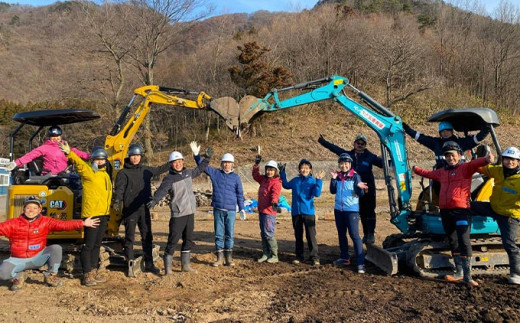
(179, 184)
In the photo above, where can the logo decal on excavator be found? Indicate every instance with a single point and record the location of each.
(373, 120)
(59, 205)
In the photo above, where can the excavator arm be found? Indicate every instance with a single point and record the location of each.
(387, 126)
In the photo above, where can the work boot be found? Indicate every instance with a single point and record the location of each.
(149, 267)
(99, 277)
(220, 258)
(466, 269)
(265, 250)
(228, 255)
(514, 279)
(458, 275)
(17, 283)
(369, 238)
(53, 280)
(167, 264)
(88, 279)
(130, 269)
(185, 262)
(273, 247)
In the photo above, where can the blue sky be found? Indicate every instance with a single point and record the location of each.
(234, 6)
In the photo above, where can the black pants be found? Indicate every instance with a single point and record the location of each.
(181, 227)
(456, 224)
(89, 254)
(140, 218)
(309, 222)
(367, 211)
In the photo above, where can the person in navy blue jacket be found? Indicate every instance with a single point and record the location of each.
(362, 162)
(304, 189)
(348, 187)
(227, 194)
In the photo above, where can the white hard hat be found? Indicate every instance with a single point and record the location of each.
(511, 152)
(272, 164)
(175, 156)
(228, 158)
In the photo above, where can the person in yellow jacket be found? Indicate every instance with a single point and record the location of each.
(97, 196)
(504, 205)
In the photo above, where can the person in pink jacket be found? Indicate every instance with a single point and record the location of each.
(455, 178)
(54, 160)
(268, 195)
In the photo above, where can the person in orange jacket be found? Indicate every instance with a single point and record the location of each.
(28, 243)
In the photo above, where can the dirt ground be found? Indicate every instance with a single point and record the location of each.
(251, 292)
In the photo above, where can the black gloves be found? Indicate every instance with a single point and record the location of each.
(151, 204)
(209, 152)
(281, 167)
(274, 205)
(258, 159)
(321, 139)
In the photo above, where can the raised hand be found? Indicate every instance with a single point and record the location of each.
(64, 146)
(281, 167)
(333, 174)
(258, 159)
(195, 148)
(209, 152)
(320, 174)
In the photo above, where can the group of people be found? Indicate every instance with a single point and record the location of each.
(352, 183)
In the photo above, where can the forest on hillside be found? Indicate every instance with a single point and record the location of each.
(426, 55)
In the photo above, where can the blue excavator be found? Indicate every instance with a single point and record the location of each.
(421, 245)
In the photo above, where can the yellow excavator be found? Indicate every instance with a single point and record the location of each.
(61, 194)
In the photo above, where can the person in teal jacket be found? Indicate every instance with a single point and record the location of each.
(304, 189)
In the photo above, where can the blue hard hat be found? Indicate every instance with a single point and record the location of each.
(445, 125)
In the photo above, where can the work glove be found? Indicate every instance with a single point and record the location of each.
(151, 204)
(281, 168)
(243, 215)
(12, 165)
(209, 152)
(116, 205)
(94, 167)
(195, 148)
(258, 159)
(321, 138)
(64, 146)
(274, 205)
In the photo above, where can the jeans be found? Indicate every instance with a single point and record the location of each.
(267, 225)
(89, 254)
(224, 223)
(180, 227)
(309, 222)
(349, 221)
(456, 224)
(13, 267)
(140, 218)
(508, 230)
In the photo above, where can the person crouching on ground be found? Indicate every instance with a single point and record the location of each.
(28, 242)
(347, 186)
(455, 191)
(183, 204)
(227, 194)
(268, 195)
(96, 199)
(304, 189)
(504, 205)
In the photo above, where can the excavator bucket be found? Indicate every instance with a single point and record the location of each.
(383, 259)
(237, 115)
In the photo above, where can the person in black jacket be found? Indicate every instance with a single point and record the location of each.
(446, 134)
(183, 204)
(133, 189)
(362, 162)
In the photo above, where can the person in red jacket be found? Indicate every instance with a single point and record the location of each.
(455, 179)
(268, 195)
(28, 239)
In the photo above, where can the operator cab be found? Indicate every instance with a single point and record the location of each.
(466, 120)
(28, 178)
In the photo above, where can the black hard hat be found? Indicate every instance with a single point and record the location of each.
(304, 161)
(450, 146)
(54, 131)
(344, 158)
(98, 153)
(135, 149)
(32, 199)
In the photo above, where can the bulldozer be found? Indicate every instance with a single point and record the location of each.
(420, 245)
(61, 194)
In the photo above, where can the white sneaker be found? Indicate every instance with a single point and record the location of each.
(514, 279)
(361, 269)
